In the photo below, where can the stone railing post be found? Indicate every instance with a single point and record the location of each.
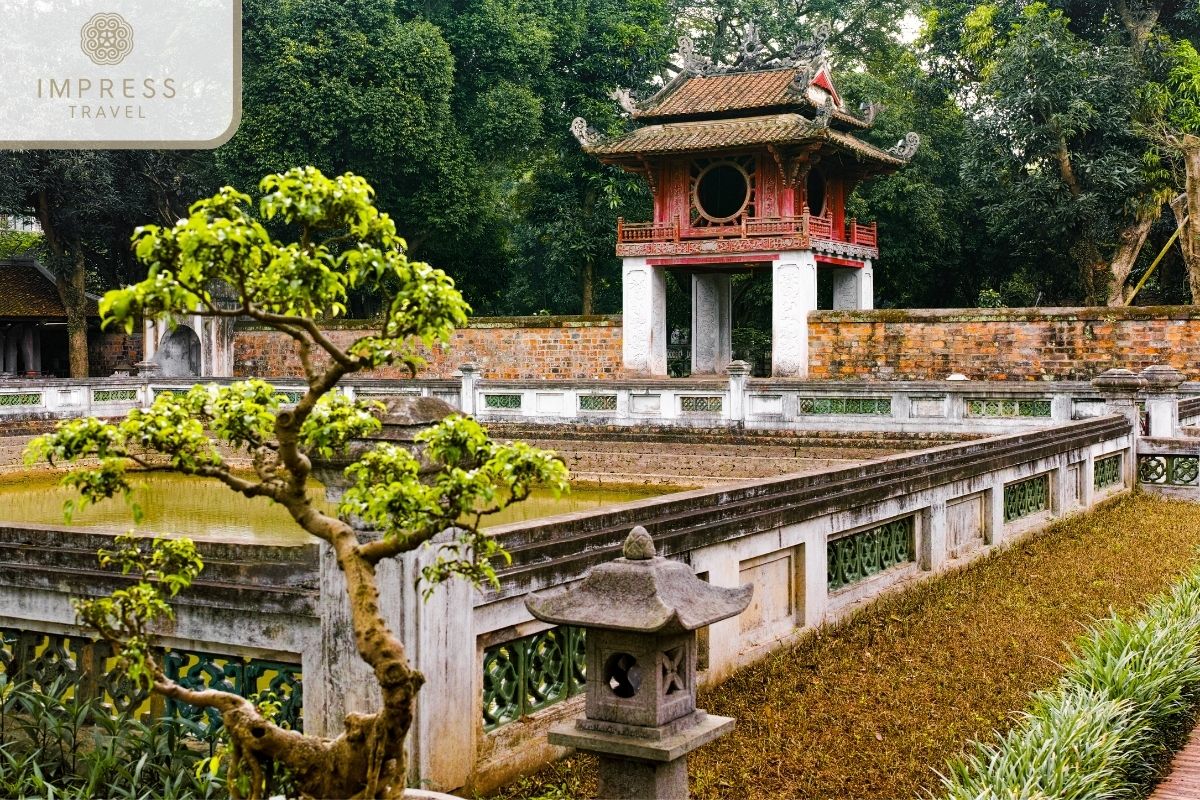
(469, 376)
(1162, 399)
(438, 632)
(739, 374)
(1120, 388)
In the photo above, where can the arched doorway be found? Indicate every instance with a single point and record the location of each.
(179, 353)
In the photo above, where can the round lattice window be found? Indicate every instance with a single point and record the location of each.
(722, 191)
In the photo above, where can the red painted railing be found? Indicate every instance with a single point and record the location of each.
(820, 228)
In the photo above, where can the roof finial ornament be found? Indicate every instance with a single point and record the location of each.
(751, 50)
(810, 50)
(691, 61)
(906, 148)
(625, 100)
(638, 545)
(586, 134)
(868, 110)
(824, 113)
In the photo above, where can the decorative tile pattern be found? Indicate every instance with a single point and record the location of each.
(871, 406)
(92, 667)
(113, 395)
(23, 399)
(1106, 471)
(858, 556)
(506, 402)
(530, 673)
(1026, 497)
(597, 402)
(993, 407)
(1169, 470)
(701, 405)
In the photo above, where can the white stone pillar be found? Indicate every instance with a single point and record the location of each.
(150, 337)
(1162, 399)
(866, 285)
(439, 636)
(739, 372)
(712, 322)
(469, 379)
(644, 317)
(793, 295)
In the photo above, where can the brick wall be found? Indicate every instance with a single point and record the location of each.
(514, 348)
(1001, 344)
(108, 348)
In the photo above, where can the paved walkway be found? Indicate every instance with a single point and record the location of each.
(1183, 781)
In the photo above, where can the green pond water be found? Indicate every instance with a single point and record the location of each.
(173, 504)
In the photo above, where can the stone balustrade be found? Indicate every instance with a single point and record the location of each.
(974, 407)
(815, 546)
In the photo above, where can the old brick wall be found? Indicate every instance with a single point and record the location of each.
(1001, 344)
(108, 348)
(513, 348)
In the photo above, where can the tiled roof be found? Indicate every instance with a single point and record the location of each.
(27, 292)
(738, 91)
(781, 129)
(716, 93)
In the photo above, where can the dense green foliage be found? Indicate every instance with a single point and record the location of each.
(54, 745)
(1130, 690)
(1043, 127)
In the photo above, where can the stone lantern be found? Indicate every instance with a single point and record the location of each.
(641, 613)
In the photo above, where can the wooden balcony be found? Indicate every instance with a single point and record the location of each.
(799, 232)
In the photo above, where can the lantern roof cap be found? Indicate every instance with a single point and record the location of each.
(641, 592)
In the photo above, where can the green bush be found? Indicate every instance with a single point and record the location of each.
(1102, 731)
(54, 746)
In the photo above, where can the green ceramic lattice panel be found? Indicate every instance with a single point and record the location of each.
(23, 399)
(1026, 497)
(597, 402)
(871, 406)
(113, 395)
(1169, 470)
(858, 556)
(700, 405)
(530, 673)
(1107, 471)
(506, 402)
(92, 668)
(994, 407)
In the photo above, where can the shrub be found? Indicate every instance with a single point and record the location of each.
(54, 746)
(1102, 731)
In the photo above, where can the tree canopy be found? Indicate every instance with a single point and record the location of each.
(336, 241)
(1053, 137)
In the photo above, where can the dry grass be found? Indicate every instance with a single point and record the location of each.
(871, 707)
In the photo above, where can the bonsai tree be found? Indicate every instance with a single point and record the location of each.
(338, 241)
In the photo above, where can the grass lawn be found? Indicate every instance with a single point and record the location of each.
(870, 707)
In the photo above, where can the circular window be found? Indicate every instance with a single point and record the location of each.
(722, 191)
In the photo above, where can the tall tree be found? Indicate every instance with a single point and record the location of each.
(1173, 107)
(348, 85)
(87, 201)
(338, 239)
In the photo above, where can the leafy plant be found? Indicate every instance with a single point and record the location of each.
(54, 745)
(1101, 732)
(340, 243)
